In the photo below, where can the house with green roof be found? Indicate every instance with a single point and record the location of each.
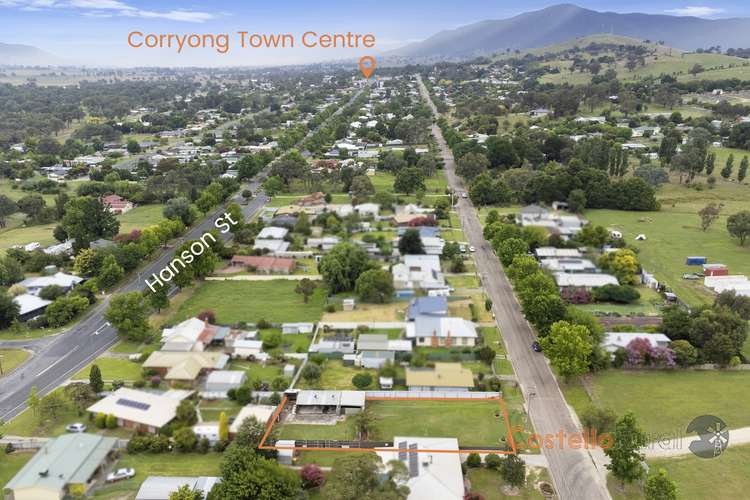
(67, 465)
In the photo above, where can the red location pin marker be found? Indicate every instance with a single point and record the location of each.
(367, 65)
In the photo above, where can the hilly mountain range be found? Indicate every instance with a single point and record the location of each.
(563, 22)
(26, 55)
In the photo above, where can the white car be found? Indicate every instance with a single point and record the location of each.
(472, 249)
(120, 474)
(464, 195)
(76, 427)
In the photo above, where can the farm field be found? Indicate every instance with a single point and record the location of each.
(674, 233)
(418, 418)
(675, 397)
(251, 301)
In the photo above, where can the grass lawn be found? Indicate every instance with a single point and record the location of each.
(41, 233)
(324, 458)
(491, 336)
(503, 367)
(258, 371)
(461, 281)
(141, 217)
(251, 301)
(10, 359)
(383, 181)
(370, 312)
(674, 233)
(11, 464)
(674, 397)
(489, 482)
(210, 410)
(129, 347)
(112, 369)
(336, 376)
(648, 305)
(291, 342)
(418, 418)
(160, 464)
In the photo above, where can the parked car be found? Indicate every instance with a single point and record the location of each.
(76, 427)
(536, 346)
(464, 195)
(472, 249)
(120, 474)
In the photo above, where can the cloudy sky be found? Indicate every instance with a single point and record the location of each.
(95, 32)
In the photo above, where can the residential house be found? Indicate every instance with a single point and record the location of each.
(564, 225)
(324, 243)
(337, 344)
(162, 487)
(191, 335)
(615, 340)
(140, 410)
(64, 466)
(117, 204)
(36, 284)
(432, 475)
(418, 272)
(427, 306)
(262, 413)
(433, 245)
(424, 231)
(30, 306)
(329, 402)
(246, 348)
(293, 328)
(557, 253)
(272, 245)
(272, 233)
(374, 349)
(584, 280)
(367, 209)
(185, 367)
(569, 265)
(441, 331)
(265, 264)
(448, 377)
(223, 380)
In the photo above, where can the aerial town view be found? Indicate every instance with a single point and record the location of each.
(382, 250)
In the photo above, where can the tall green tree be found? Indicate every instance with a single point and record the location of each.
(410, 243)
(305, 287)
(245, 475)
(660, 487)
(95, 379)
(341, 266)
(127, 313)
(726, 172)
(568, 348)
(87, 219)
(626, 461)
(111, 272)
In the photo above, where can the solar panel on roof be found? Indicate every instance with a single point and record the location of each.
(133, 404)
(413, 461)
(402, 450)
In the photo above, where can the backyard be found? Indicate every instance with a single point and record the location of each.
(252, 301)
(418, 418)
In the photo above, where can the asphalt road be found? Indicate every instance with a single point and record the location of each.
(574, 472)
(57, 358)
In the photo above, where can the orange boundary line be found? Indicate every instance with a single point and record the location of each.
(501, 403)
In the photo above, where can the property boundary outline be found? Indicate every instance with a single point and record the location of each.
(504, 410)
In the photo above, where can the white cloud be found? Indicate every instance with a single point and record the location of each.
(696, 11)
(109, 8)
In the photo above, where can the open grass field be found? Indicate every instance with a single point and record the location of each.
(418, 418)
(383, 181)
(674, 233)
(648, 305)
(697, 478)
(257, 371)
(664, 402)
(251, 301)
(210, 410)
(141, 217)
(489, 484)
(10, 359)
(172, 464)
(463, 281)
(10, 465)
(21, 235)
(112, 369)
(336, 376)
(370, 312)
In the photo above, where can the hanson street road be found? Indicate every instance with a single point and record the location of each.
(573, 471)
(56, 359)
